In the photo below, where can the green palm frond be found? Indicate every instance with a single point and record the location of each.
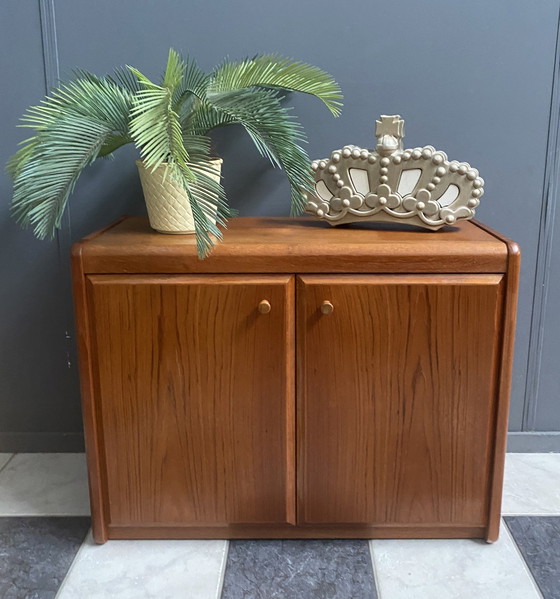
(123, 77)
(173, 71)
(271, 70)
(208, 202)
(156, 129)
(47, 177)
(206, 117)
(207, 196)
(72, 128)
(21, 157)
(199, 146)
(212, 194)
(155, 126)
(193, 82)
(276, 134)
(191, 91)
(92, 97)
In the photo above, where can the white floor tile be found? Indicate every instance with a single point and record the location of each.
(532, 484)
(4, 459)
(451, 569)
(146, 569)
(44, 484)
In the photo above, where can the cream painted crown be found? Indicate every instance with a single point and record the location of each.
(419, 186)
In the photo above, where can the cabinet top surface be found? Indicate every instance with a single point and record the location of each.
(277, 244)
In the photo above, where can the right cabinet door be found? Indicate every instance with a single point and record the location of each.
(397, 377)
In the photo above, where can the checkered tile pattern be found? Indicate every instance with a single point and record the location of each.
(46, 550)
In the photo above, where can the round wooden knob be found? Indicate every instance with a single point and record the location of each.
(264, 307)
(327, 307)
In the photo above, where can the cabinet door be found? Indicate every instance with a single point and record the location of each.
(397, 398)
(194, 397)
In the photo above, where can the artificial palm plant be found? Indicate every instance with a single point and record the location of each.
(91, 117)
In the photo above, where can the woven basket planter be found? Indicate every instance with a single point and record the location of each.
(169, 208)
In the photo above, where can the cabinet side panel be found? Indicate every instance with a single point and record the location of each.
(93, 440)
(194, 398)
(398, 399)
(504, 388)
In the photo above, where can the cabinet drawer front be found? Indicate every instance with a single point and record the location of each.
(194, 393)
(397, 384)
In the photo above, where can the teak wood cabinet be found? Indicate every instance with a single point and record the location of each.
(302, 381)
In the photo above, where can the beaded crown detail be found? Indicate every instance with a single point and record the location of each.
(419, 186)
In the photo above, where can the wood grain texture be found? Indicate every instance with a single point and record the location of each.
(196, 397)
(506, 334)
(348, 531)
(280, 245)
(92, 433)
(396, 398)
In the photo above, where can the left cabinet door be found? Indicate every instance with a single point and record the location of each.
(194, 396)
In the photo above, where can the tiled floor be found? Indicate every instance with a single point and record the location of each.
(46, 551)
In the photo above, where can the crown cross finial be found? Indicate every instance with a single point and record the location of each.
(389, 132)
(390, 125)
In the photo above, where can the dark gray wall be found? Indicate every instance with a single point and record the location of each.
(472, 78)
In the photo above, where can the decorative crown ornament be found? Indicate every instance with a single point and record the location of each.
(418, 186)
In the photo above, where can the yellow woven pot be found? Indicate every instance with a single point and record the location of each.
(169, 208)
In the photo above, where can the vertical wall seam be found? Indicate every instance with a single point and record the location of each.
(51, 66)
(50, 45)
(544, 250)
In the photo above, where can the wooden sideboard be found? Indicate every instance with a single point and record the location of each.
(302, 381)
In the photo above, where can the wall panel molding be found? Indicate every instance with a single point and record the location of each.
(544, 252)
(50, 45)
(64, 234)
